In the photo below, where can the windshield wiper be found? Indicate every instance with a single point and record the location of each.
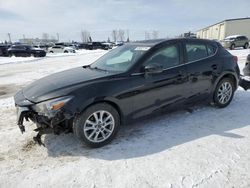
(97, 68)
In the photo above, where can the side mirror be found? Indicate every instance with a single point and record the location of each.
(153, 68)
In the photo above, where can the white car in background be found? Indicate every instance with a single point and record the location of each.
(61, 49)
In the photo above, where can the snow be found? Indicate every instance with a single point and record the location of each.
(207, 148)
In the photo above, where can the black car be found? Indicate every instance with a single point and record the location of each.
(87, 46)
(4, 50)
(25, 51)
(100, 45)
(129, 82)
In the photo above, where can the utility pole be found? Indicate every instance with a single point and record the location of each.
(9, 37)
(57, 34)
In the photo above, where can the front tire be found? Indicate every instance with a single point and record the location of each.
(224, 93)
(232, 47)
(97, 125)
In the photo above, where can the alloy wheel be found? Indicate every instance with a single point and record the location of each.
(225, 92)
(99, 126)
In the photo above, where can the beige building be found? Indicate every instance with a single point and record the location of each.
(221, 30)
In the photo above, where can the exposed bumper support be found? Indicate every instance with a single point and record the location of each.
(244, 82)
(21, 111)
(45, 125)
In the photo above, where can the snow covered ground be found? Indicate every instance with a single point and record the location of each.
(207, 148)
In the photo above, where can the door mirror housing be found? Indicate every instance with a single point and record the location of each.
(153, 68)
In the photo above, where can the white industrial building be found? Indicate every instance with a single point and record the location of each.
(219, 31)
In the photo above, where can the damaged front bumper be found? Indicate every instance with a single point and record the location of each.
(57, 122)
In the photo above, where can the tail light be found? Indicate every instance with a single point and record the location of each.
(235, 59)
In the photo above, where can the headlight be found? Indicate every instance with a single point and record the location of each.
(50, 107)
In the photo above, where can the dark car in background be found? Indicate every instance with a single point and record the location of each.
(95, 45)
(86, 46)
(234, 41)
(25, 51)
(127, 83)
(4, 50)
(100, 45)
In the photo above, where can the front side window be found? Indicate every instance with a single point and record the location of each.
(196, 52)
(165, 57)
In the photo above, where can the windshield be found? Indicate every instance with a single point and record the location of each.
(230, 38)
(120, 59)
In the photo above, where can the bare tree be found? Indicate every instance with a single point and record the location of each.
(45, 36)
(85, 35)
(128, 39)
(121, 34)
(114, 35)
(147, 35)
(155, 34)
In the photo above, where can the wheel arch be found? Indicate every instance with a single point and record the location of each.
(107, 101)
(230, 75)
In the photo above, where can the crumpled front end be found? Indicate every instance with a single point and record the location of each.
(49, 116)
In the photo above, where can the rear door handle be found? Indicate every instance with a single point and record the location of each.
(214, 67)
(180, 77)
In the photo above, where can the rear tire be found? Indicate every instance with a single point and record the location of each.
(246, 46)
(66, 51)
(97, 125)
(224, 93)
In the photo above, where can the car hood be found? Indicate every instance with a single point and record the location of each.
(61, 84)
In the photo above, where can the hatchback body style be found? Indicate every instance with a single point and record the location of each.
(127, 83)
(234, 41)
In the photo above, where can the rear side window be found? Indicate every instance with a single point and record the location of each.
(196, 52)
(242, 38)
(199, 51)
(211, 50)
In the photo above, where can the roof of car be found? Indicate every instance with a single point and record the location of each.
(148, 42)
(151, 43)
(233, 36)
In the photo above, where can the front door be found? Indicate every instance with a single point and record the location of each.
(153, 91)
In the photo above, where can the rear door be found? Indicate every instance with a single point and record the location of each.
(240, 41)
(202, 66)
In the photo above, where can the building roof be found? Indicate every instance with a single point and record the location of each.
(228, 20)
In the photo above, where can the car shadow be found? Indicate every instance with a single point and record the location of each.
(157, 134)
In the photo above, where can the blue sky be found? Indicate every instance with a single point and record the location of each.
(68, 17)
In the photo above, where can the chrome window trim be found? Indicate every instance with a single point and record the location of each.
(141, 73)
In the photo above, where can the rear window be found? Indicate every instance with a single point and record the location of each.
(199, 51)
(242, 38)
